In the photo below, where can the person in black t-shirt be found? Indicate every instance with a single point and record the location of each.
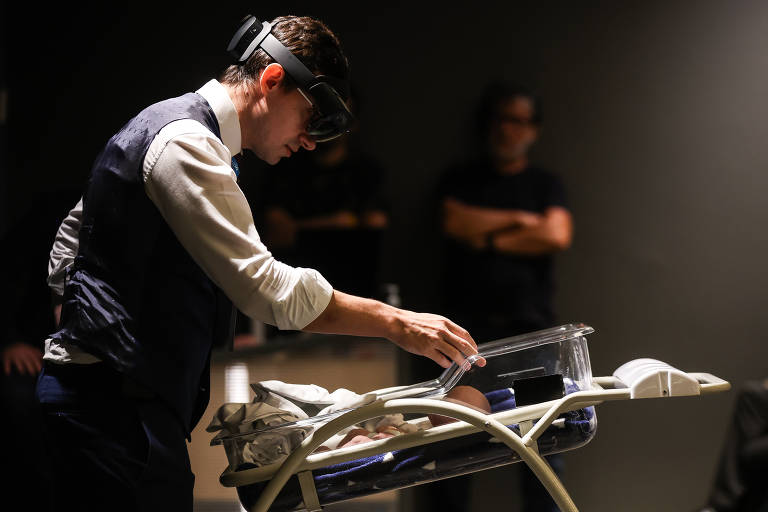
(325, 210)
(502, 219)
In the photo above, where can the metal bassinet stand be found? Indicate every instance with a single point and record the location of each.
(641, 378)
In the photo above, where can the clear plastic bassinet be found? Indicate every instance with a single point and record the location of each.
(522, 374)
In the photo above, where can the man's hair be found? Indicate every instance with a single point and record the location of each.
(308, 39)
(498, 92)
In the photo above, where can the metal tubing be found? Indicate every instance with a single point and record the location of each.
(422, 406)
(568, 401)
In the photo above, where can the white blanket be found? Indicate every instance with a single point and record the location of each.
(276, 403)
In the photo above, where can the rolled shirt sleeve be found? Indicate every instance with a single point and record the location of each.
(188, 176)
(64, 249)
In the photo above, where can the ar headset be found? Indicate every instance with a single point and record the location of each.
(332, 117)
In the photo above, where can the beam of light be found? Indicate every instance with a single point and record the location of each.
(236, 383)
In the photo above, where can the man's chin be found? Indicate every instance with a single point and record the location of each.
(510, 155)
(276, 158)
(267, 158)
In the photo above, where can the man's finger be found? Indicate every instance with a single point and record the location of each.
(439, 358)
(32, 364)
(22, 363)
(461, 332)
(37, 361)
(18, 366)
(29, 366)
(464, 346)
(450, 352)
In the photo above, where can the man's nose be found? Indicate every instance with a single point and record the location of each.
(307, 142)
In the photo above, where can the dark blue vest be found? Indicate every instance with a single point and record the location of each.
(134, 297)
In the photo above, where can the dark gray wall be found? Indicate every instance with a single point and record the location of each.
(3, 117)
(653, 115)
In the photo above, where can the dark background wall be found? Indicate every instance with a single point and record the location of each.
(654, 116)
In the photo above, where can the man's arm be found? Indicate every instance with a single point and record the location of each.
(425, 334)
(342, 219)
(507, 230)
(466, 222)
(188, 177)
(282, 228)
(64, 250)
(65, 247)
(552, 233)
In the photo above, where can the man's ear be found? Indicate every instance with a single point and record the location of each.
(272, 77)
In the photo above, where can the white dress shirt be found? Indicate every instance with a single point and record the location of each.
(188, 176)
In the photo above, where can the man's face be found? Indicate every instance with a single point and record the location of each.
(283, 128)
(511, 132)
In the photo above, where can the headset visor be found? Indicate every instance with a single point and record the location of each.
(332, 116)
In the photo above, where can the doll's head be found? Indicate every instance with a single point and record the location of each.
(463, 395)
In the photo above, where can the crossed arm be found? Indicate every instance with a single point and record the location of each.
(282, 227)
(507, 230)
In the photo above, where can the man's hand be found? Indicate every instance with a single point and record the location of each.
(25, 359)
(525, 219)
(342, 219)
(435, 337)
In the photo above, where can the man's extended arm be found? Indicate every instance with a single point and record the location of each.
(418, 333)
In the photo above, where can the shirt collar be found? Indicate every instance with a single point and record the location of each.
(221, 104)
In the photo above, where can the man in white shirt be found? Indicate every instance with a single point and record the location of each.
(150, 258)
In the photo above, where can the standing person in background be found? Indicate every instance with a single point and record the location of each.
(503, 220)
(325, 209)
